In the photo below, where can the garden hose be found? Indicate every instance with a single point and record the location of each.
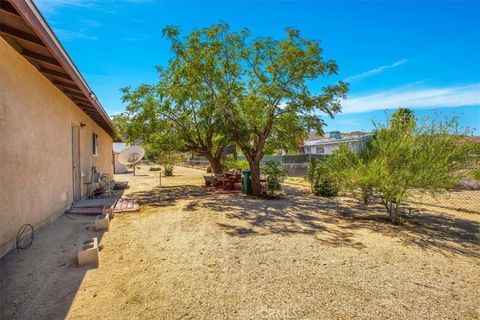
(24, 237)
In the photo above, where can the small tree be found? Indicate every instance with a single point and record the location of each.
(403, 159)
(167, 161)
(275, 174)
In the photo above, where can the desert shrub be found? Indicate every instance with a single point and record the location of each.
(400, 160)
(321, 182)
(167, 161)
(168, 169)
(275, 174)
(155, 169)
(326, 187)
(349, 172)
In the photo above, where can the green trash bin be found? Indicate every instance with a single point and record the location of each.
(246, 182)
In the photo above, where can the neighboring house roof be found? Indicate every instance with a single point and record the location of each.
(25, 29)
(313, 136)
(326, 141)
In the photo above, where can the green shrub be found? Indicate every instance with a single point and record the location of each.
(326, 187)
(275, 174)
(155, 169)
(322, 183)
(312, 173)
(402, 160)
(168, 170)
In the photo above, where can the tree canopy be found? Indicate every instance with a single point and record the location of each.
(257, 86)
(173, 112)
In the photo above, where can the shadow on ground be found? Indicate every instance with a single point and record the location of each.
(42, 281)
(167, 196)
(335, 221)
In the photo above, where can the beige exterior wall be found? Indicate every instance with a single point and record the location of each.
(36, 122)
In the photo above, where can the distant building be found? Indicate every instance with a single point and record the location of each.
(325, 145)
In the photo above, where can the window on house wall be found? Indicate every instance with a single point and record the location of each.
(95, 144)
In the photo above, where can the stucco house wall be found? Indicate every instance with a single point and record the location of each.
(325, 147)
(36, 120)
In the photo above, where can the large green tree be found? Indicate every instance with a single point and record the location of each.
(174, 111)
(259, 87)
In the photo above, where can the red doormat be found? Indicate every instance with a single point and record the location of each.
(127, 205)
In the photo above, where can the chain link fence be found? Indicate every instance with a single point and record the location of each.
(465, 198)
(467, 201)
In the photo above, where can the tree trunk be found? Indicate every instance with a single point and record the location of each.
(255, 176)
(394, 213)
(216, 164)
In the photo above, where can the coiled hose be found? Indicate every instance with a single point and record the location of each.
(24, 237)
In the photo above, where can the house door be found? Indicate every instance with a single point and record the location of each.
(77, 193)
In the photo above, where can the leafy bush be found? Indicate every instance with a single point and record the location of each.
(348, 170)
(326, 187)
(275, 174)
(167, 161)
(168, 170)
(321, 182)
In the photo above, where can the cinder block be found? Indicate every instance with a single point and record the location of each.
(88, 252)
(109, 211)
(102, 222)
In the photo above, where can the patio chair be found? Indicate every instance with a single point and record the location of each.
(107, 184)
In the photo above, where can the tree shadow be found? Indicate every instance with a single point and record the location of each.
(167, 196)
(452, 207)
(426, 228)
(334, 221)
(287, 216)
(192, 206)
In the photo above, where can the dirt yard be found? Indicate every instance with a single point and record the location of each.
(192, 255)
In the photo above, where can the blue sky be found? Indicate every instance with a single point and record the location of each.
(419, 54)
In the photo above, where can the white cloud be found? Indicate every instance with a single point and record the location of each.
(375, 71)
(409, 97)
(100, 5)
(53, 5)
(67, 35)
